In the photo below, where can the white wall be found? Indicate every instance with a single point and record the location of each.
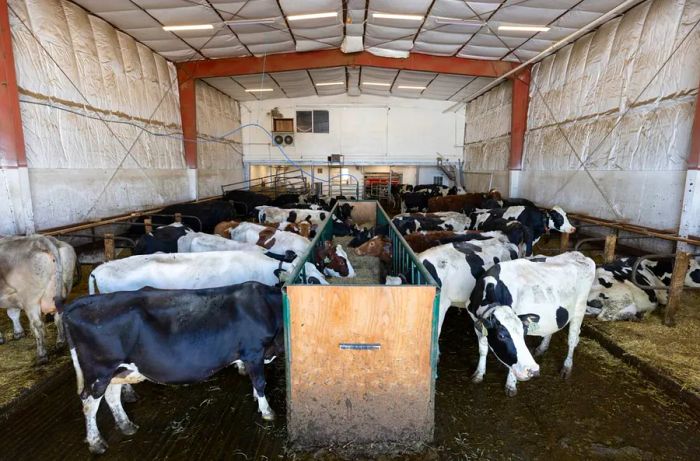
(583, 91)
(365, 129)
(78, 166)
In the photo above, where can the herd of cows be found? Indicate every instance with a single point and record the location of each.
(205, 293)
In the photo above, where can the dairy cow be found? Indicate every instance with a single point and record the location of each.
(162, 239)
(614, 296)
(269, 214)
(407, 223)
(456, 267)
(191, 271)
(31, 280)
(169, 337)
(199, 242)
(538, 221)
(536, 297)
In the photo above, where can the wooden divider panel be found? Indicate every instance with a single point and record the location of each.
(360, 364)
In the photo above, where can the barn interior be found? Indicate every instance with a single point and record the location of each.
(117, 113)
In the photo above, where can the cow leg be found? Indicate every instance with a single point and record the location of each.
(129, 394)
(444, 307)
(37, 326)
(478, 375)
(574, 332)
(113, 396)
(544, 345)
(96, 443)
(17, 330)
(511, 384)
(60, 334)
(256, 372)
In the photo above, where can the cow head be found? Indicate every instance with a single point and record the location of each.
(495, 195)
(374, 247)
(360, 237)
(313, 276)
(505, 333)
(558, 221)
(344, 211)
(333, 260)
(224, 228)
(692, 278)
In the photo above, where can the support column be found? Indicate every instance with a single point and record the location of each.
(518, 127)
(690, 211)
(16, 213)
(188, 117)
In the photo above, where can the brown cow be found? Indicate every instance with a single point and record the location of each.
(224, 228)
(460, 202)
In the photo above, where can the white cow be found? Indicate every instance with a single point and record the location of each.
(536, 297)
(191, 270)
(198, 242)
(614, 296)
(275, 241)
(457, 266)
(449, 220)
(274, 215)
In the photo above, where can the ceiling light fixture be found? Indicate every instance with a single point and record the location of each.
(245, 22)
(188, 27)
(376, 84)
(258, 90)
(517, 28)
(411, 87)
(407, 17)
(330, 83)
(458, 21)
(301, 17)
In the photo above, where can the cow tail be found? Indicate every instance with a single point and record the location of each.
(91, 284)
(60, 294)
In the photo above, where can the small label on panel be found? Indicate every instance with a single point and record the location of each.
(360, 346)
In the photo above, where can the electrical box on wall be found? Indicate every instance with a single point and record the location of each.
(283, 131)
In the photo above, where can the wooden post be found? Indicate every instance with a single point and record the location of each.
(109, 247)
(680, 268)
(178, 217)
(148, 225)
(564, 242)
(609, 251)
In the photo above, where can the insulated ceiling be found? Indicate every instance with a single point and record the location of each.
(458, 28)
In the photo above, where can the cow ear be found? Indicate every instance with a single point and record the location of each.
(527, 319)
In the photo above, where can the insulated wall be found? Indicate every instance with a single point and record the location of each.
(487, 140)
(629, 126)
(102, 122)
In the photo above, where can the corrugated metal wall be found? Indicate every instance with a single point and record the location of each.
(86, 92)
(583, 91)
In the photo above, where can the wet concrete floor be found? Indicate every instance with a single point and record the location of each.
(605, 411)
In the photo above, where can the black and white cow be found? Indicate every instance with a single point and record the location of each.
(245, 201)
(169, 337)
(457, 266)
(615, 297)
(407, 223)
(162, 239)
(536, 297)
(274, 215)
(539, 221)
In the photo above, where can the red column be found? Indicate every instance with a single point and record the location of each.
(694, 157)
(188, 116)
(12, 152)
(518, 121)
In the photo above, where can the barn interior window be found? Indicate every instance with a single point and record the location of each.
(312, 121)
(437, 180)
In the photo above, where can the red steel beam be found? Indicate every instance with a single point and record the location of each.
(518, 121)
(188, 116)
(694, 157)
(12, 153)
(335, 58)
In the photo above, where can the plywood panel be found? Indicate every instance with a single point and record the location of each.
(364, 212)
(337, 395)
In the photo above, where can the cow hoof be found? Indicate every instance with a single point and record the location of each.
(269, 416)
(511, 391)
(566, 372)
(19, 335)
(129, 395)
(42, 360)
(97, 447)
(129, 428)
(477, 378)
(241, 369)
(60, 344)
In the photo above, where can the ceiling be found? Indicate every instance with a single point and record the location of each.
(259, 27)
